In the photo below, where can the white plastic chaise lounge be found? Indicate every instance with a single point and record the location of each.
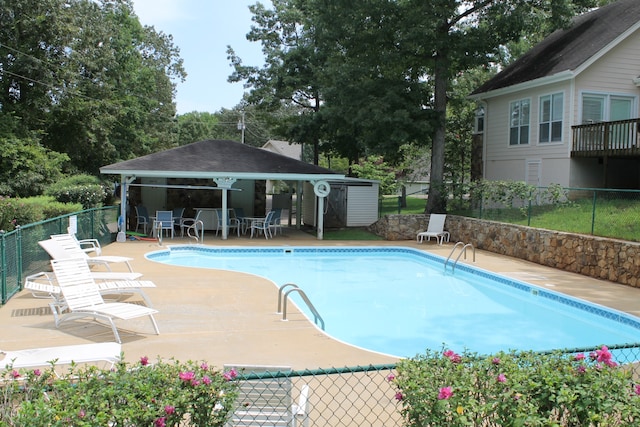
(267, 401)
(44, 285)
(64, 246)
(108, 353)
(435, 229)
(82, 298)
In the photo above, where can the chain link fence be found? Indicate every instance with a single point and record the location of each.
(346, 397)
(21, 255)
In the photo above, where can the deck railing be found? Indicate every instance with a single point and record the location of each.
(618, 138)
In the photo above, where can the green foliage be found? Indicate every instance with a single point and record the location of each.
(48, 207)
(517, 389)
(376, 168)
(165, 393)
(26, 168)
(83, 189)
(16, 212)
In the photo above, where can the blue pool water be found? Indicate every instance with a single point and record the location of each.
(399, 301)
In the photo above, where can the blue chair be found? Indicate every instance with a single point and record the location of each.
(163, 222)
(142, 218)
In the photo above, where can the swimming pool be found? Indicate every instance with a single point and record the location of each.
(399, 301)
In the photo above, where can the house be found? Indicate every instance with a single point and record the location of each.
(566, 112)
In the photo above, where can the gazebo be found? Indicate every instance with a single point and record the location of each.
(226, 163)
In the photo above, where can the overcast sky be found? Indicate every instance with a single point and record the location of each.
(202, 29)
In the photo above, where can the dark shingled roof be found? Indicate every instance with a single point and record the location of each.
(566, 50)
(215, 158)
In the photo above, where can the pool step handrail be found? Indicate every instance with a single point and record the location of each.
(194, 227)
(282, 302)
(462, 251)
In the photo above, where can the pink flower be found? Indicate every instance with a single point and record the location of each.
(37, 372)
(187, 376)
(399, 396)
(636, 389)
(160, 422)
(603, 355)
(581, 369)
(195, 382)
(15, 374)
(579, 356)
(445, 393)
(230, 375)
(144, 360)
(495, 361)
(452, 356)
(206, 380)
(168, 409)
(204, 367)
(82, 414)
(391, 377)
(501, 378)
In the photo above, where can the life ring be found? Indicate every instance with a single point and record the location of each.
(321, 188)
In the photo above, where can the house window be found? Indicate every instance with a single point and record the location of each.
(551, 109)
(601, 108)
(519, 125)
(479, 120)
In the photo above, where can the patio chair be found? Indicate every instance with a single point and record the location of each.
(232, 221)
(177, 214)
(267, 400)
(163, 222)
(82, 297)
(142, 218)
(191, 225)
(108, 352)
(435, 229)
(43, 285)
(276, 222)
(262, 225)
(61, 246)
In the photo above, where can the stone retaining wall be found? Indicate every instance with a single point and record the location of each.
(608, 259)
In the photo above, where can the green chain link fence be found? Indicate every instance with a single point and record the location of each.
(346, 397)
(21, 255)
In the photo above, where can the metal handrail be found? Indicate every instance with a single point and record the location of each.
(463, 250)
(194, 227)
(282, 302)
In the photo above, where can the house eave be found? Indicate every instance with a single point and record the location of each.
(556, 78)
(215, 175)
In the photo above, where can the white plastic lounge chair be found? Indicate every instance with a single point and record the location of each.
(108, 352)
(267, 401)
(44, 285)
(63, 246)
(434, 229)
(263, 225)
(83, 299)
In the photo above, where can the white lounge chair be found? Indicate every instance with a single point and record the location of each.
(267, 401)
(44, 285)
(64, 246)
(434, 229)
(108, 352)
(82, 297)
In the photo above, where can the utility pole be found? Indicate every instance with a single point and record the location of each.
(241, 126)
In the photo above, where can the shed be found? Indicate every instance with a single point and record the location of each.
(352, 202)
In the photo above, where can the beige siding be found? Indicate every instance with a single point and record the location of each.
(362, 205)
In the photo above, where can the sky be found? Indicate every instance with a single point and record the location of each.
(202, 29)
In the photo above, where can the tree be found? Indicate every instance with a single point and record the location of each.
(292, 63)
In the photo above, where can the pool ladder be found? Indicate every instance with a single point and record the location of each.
(462, 251)
(282, 302)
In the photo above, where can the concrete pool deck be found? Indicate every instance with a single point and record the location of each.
(225, 317)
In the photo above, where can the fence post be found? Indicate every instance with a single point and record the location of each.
(3, 254)
(593, 212)
(19, 253)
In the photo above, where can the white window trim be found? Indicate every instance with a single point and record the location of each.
(564, 118)
(528, 144)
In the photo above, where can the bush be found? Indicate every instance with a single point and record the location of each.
(160, 394)
(83, 189)
(517, 389)
(15, 212)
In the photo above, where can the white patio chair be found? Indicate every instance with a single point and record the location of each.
(262, 225)
(232, 221)
(267, 401)
(44, 285)
(82, 297)
(108, 352)
(142, 218)
(435, 229)
(64, 246)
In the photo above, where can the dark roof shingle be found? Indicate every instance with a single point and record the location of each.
(566, 50)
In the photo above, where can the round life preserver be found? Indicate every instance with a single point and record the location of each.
(321, 188)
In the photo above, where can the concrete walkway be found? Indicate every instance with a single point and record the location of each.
(230, 318)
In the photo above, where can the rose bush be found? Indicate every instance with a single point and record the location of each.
(517, 389)
(159, 394)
